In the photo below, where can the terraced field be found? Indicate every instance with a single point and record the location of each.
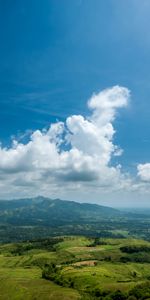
(74, 268)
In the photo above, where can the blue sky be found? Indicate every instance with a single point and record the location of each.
(55, 54)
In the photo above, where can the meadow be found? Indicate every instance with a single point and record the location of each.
(75, 268)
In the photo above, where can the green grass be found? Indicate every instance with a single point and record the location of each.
(21, 288)
(21, 275)
(20, 278)
(20, 283)
(106, 275)
(72, 241)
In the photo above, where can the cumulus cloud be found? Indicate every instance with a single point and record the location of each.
(71, 153)
(144, 171)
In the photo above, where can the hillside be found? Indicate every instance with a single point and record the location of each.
(77, 268)
(48, 212)
(27, 219)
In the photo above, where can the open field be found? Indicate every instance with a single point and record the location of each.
(74, 268)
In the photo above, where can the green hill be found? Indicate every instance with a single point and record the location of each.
(28, 219)
(48, 212)
(77, 268)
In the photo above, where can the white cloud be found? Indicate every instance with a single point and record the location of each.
(68, 156)
(144, 171)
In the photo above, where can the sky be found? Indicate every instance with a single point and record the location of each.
(75, 100)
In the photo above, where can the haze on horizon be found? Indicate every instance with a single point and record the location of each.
(74, 105)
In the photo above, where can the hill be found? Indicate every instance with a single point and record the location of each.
(48, 212)
(32, 218)
(77, 268)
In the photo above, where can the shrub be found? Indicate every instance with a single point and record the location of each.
(117, 295)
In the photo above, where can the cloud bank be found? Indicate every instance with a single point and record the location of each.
(72, 156)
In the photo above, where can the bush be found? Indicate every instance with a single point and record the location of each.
(49, 271)
(135, 249)
(117, 295)
(141, 291)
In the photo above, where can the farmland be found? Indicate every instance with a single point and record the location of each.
(74, 268)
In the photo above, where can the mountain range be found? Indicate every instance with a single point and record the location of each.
(48, 212)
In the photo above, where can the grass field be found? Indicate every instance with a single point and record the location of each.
(21, 283)
(81, 266)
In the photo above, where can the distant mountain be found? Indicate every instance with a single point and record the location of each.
(41, 211)
(39, 218)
